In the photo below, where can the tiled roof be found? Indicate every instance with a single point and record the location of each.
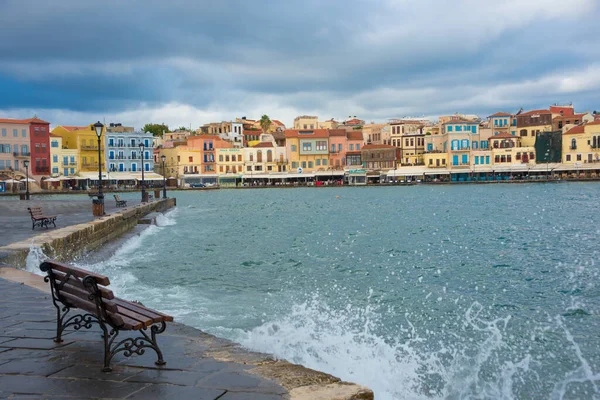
(337, 132)
(73, 128)
(503, 136)
(377, 146)
(355, 135)
(557, 109)
(563, 117)
(574, 130)
(22, 121)
(264, 144)
(536, 112)
(500, 114)
(277, 122)
(596, 122)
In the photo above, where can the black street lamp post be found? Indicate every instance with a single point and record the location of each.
(163, 158)
(144, 196)
(26, 162)
(99, 208)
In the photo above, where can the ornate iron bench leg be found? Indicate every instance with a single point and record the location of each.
(155, 330)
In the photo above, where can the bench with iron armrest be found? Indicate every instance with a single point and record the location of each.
(81, 299)
(120, 203)
(39, 219)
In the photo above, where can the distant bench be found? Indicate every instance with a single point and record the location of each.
(75, 288)
(120, 203)
(39, 219)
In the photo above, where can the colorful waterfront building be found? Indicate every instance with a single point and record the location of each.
(380, 157)
(566, 122)
(502, 122)
(462, 137)
(508, 150)
(63, 161)
(308, 150)
(32, 136)
(207, 146)
(581, 144)
(341, 143)
(123, 149)
(230, 161)
(14, 147)
(264, 158)
(83, 139)
(306, 122)
(531, 123)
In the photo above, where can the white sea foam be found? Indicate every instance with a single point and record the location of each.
(34, 258)
(344, 344)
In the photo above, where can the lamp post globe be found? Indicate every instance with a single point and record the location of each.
(98, 127)
(26, 162)
(163, 158)
(144, 198)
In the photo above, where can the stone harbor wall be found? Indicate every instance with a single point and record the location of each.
(64, 244)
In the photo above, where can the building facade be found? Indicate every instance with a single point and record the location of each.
(123, 153)
(14, 146)
(530, 123)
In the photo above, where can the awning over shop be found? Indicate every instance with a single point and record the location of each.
(408, 171)
(330, 173)
(437, 172)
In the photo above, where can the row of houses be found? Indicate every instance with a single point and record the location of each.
(231, 152)
(71, 153)
(457, 147)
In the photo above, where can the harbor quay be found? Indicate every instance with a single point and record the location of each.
(199, 365)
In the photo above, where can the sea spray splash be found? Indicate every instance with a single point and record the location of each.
(344, 343)
(34, 258)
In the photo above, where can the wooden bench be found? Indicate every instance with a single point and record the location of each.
(120, 203)
(39, 219)
(77, 289)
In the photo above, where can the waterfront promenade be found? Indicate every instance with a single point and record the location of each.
(15, 219)
(32, 364)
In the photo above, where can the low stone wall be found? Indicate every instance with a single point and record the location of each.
(67, 243)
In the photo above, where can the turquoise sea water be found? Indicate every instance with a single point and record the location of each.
(422, 292)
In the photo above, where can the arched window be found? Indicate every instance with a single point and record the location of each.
(269, 156)
(523, 132)
(259, 156)
(251, 157)
(573, 143)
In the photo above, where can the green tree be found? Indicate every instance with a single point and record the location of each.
(182, 128)
(265, 123)
(156, 129)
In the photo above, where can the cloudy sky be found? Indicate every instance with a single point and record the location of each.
(188, 62)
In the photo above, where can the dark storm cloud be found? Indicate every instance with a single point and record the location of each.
(380, 57)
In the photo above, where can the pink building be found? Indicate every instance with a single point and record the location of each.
(342, 141)
(207, 145)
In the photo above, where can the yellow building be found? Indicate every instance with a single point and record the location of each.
(436, 159)
(581, 144)
(230, 161)
(63, 161)
(83, 139)
(308, 151)
(508, 150)
(531, 123)
(306, 122)
(181, 160)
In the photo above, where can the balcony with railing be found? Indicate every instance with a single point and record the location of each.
(45, 169)
(21, 154)
(89, 165)
(89, 148)
(573, 147)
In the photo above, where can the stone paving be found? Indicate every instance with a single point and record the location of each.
(33, 366)
(15, 219)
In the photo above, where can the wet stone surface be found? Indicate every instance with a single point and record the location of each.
(33, 366)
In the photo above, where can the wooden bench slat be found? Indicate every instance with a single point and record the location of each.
(144, 320)
(60, 276)
(137, 308)
(84, 296)
(78, 272)
(91, 308)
